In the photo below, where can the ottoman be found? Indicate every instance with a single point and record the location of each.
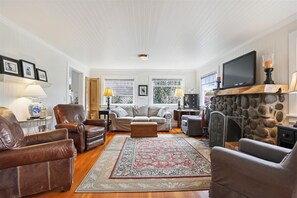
(144, 129)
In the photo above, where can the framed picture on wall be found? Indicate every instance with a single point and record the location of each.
(142, 90)
(41, 75)
(28, 69)
(9, 66)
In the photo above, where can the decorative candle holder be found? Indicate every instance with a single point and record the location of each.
(268, 76)
(267, 63)
(218, 82)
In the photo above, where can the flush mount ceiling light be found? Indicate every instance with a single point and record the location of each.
(143, 56)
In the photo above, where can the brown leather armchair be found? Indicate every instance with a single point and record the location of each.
(258, 170)
(34, 163)
(87, 134)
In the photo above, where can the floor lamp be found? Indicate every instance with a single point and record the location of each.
(108, 93)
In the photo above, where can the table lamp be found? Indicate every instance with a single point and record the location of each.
(293, 87)
(34, 92)
(108, 93)
(179, 94)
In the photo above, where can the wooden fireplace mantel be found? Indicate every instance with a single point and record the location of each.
(256, 89)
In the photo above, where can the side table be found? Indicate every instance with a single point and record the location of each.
(105, 114)
(31, 126)
(286, 136)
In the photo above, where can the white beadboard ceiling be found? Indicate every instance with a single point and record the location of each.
(176, 34)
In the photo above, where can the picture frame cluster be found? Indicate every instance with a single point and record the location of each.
(21, 68)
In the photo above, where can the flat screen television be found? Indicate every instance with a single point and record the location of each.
(240, 71)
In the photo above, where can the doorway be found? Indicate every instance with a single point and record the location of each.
(75, 87)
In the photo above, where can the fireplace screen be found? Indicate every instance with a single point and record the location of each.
(224, 128)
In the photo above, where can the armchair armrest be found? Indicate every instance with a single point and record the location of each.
(51, 151)
(99, 122)
(72, 127)
(49, 136)
(263, 150)
(242, 173)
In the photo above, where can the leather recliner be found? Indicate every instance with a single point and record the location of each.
(87, 134)
(34, 163)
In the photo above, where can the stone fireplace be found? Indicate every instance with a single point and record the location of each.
(262, 107)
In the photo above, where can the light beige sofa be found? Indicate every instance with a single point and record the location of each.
(122, 116)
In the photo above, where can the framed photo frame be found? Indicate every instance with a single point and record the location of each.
(142, 90)
(28, 69)
(41, 75)
(10, 66)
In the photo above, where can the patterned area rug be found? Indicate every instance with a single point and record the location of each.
(159, 158)
(98, 179)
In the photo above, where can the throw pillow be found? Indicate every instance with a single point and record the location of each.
(162, 112)
(119, 111)
(129, 110)
(140, 111)
(153, 111)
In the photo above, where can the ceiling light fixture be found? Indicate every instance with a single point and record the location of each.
(143, 56)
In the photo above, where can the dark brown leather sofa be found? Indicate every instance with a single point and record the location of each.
(87, 134)
(35, 163)
(258, 170)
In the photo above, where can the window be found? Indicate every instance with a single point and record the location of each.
(208, 83)
(122, 90)
(164, 89)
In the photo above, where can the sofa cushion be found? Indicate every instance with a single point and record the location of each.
(124, 119)
(119, 111)
(159, 120)
(129, 110)
(140, 111)
(140, 119)
(162, 112)
(153, 111)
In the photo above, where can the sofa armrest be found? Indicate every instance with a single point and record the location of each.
(99, 122)
(263, 150)
(168, 116)
(51, 151)
(72, 127)
(242, 173)
(48, 136)
(112, 116)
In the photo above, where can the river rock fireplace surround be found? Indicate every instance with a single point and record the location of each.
(262, 106)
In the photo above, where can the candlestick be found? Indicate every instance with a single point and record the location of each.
(267, 61)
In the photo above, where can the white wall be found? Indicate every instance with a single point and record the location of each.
(276, 42)
(19, 44)
(142, 77)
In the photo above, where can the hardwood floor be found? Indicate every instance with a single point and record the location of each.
(84, 163)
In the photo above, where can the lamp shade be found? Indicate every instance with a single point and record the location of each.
(107, 92)
(293, 85)
(34, 91)
(178, 92)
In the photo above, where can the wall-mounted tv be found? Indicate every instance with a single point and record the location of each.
(240, 71)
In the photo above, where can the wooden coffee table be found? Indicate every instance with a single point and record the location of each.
(144, 129)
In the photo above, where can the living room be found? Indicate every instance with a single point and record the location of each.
(29, 32)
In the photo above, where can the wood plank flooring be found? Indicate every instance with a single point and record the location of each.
(84, 163)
